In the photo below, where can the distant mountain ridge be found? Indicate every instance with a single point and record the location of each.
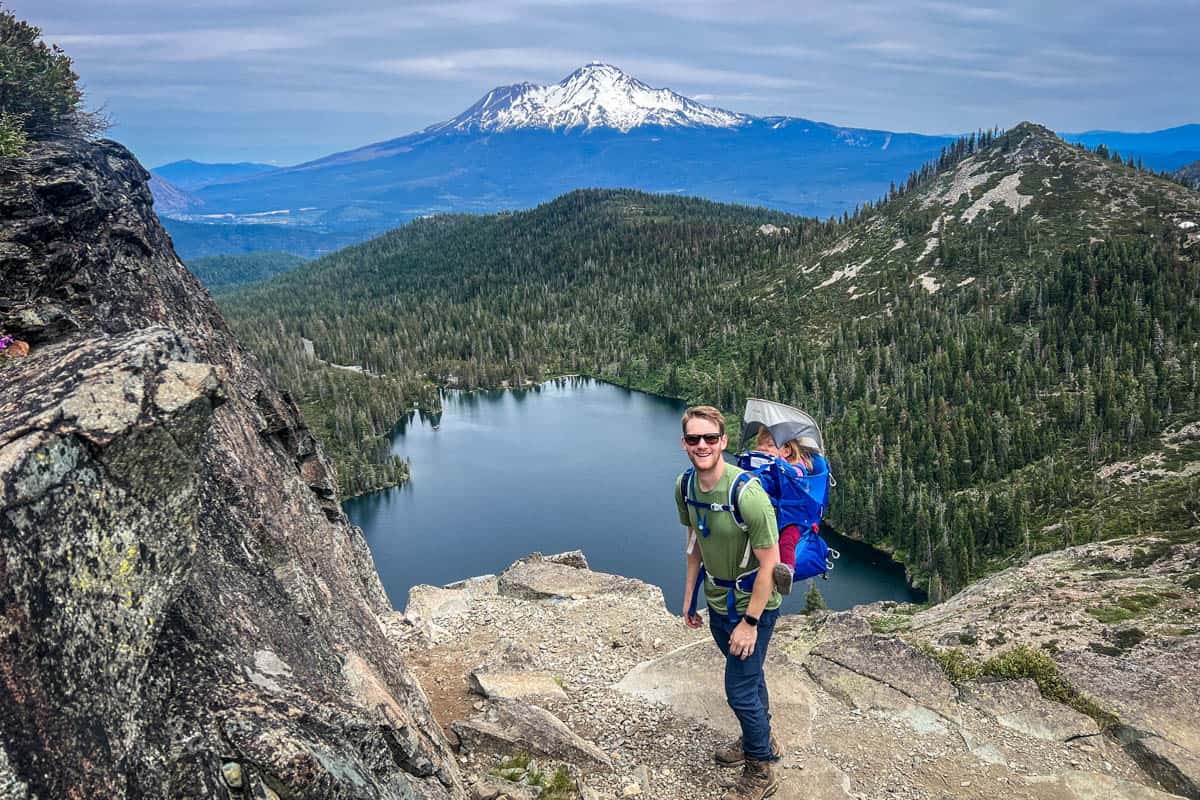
(189, 175)
(1167, 149)
(524, 144)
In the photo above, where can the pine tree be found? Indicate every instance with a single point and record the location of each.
(936, 593)
(813, 599)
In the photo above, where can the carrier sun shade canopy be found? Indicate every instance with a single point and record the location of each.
(784, 422)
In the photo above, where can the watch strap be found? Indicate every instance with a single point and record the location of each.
(751, 620)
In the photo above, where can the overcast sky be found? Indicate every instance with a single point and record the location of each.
(283, 82)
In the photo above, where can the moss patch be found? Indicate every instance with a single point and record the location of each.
(1020, 662)
(1125, 607)
(890, 623)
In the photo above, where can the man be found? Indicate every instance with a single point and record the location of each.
(739, 590)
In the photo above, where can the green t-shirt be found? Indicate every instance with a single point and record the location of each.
(724, 547)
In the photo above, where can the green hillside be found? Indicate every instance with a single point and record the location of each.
(226, 273)
(1003, 353)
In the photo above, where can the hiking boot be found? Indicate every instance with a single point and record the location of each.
(757, 781)
(783, 578)
(731, 754)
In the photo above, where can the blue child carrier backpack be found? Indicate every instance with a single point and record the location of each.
(800, 498)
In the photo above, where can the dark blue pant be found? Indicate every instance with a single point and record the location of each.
(745, 683)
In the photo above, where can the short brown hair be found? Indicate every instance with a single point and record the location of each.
(709, 413)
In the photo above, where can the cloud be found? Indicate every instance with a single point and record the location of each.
(464, 64)
(193, 45)
(966, 12)
(481, 62)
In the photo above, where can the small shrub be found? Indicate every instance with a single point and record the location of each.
(1129, 638)
(1140, 602)
(519, 761)
(1025, 662)
(958, 666)
(520, 768)
(1125, 608)
(1145, 556)
(560, 787)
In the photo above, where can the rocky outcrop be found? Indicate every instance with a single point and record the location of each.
(861, 703)
(184, 610)
(1119, 620)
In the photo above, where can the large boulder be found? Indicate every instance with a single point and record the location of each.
(184, 610)
(512, 726)
(542, 579)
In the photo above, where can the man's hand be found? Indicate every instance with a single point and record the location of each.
(742, 640)
(693, 620)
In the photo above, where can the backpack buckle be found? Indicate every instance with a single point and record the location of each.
(716, 507)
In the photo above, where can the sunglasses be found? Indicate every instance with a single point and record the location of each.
(709, 438)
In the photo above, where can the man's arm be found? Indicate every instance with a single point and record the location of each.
(764, 583)
(689, 583)
(764, 539)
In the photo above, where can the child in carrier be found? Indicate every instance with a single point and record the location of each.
(796, 477)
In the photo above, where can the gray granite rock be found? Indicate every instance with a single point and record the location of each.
(1019, 706)
(881, 672)
(512, 726)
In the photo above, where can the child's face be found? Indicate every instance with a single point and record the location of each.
(766, 444)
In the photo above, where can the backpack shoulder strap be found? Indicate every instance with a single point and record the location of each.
(735, 495)
(683, 485)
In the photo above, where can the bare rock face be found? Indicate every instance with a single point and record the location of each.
(1118, 619)
(184, 610)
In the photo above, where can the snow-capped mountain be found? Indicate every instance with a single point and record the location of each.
(524, 144)
(593, 96)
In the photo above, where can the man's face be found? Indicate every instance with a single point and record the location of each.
(706, 452)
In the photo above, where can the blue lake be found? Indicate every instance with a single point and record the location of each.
(570, 464)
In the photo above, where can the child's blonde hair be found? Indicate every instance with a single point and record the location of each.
(792, 451)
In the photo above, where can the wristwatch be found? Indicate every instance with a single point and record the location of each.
(751, 620)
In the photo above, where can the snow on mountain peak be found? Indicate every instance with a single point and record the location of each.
(594, 96)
